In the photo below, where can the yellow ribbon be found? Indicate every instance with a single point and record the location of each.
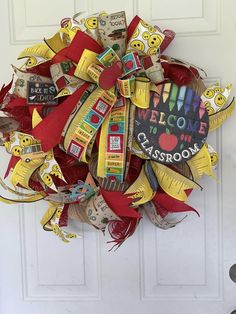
(141, 189)
(172, 182)
(50, 222)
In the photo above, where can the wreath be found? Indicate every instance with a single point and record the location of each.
(105, 127)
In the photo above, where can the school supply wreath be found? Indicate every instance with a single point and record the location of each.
(104, 126)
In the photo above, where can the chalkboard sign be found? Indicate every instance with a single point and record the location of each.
(41, 93)
(174, 127)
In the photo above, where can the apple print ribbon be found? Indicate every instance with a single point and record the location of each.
(114, 133)
(87, 121)
(113, 72)
(105, 127)
(113, 67)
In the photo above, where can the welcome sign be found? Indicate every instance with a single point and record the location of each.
(175, 125)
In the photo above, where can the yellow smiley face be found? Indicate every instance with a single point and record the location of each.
(145, 35)
(49, 156)
(208, 107)
(209, 93)
(152, 51)
(56, 229)
(154, 40)
(214, 158)
(136, 33)
(25, 140)
(91, 23)
(8, 146)
(144, 24)
(58, 213)
(16, 150)
(47, 179)
(219, 90)
(56, 171)
(31, 62)
(138, 45)
(64, 92)
(71, 236)
(151, 29)
(220, 100)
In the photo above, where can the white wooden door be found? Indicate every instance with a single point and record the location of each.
(183, 270)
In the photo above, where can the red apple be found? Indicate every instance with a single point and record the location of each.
(168, 142)
(129, 65)
(114, 127)
(94, 119)
(109, 75)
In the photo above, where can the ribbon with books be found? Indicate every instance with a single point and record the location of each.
(106, 128)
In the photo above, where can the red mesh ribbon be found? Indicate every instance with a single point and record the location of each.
(121, 230)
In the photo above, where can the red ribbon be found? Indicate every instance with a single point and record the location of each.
(63, 221)
(171, 204)
(131, 28)
(13, 161)
(80, 42)
(4, 90)
(119, 204)
(49, 130)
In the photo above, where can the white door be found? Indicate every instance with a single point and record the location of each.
(182, 270)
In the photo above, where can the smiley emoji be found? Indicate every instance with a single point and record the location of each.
(151, 29)
(91, 23)
(31, 62)
(219, 90)
(47, 179)
(58, 213)
(145, 35)
(8, 146)
(25, 140)
(220, 100)
(209, 93)
(56, 171)
(152, 51)
(138, 45)
(136, 33)
(49, 156)
(144, 24)
(56, 229)
(71, 236)
(154, 40)
(209, 108)
(214, 159)
(16, 150)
